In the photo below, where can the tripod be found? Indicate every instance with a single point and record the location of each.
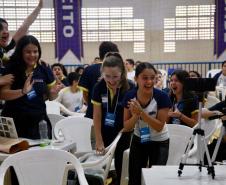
(201, 144)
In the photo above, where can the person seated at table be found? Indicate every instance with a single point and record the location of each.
(185, 103)
(60, 74)
(221, 76)
(71, 97)
(26, 103)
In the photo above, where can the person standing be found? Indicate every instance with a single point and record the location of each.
(107, 99)
(26, 103)
(92, 74)
(145, 111)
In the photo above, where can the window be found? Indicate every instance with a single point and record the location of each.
(113, 24)
(194, 22)
(16, 11)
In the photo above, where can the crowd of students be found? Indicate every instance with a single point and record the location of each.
(118, 98)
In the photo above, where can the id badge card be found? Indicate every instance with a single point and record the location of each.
(110, 119)
(145, 135)
(32, 94)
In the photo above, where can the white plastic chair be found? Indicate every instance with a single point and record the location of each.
(54, 107)
(100, 164)
(77, 129)
(211, 100)
(125, 171)
(211, 73)
(209, 127)
(54, 118)
(179, 138)
(41, 167)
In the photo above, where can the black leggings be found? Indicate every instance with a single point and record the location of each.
(145, 155)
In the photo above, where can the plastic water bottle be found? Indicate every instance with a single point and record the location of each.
(43, 131)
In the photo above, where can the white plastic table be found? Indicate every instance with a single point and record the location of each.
(64, 145)
(160, 175)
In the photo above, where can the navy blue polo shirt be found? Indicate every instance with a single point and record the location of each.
(87, 81)
(103, 96)
(187, 106)
(43, 78)
(158, 101)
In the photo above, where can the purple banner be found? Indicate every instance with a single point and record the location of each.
(68, 28)
(220, 28)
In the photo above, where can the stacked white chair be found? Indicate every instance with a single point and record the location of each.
(42, 167)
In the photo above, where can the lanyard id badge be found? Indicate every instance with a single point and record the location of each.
(145, 135)
(110, 119)
(32, 94)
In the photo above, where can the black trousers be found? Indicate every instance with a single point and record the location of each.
(145, 155)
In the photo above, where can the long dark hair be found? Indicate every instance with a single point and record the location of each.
(142, 66)
(187, 96)
(114, 59)
(17, 56)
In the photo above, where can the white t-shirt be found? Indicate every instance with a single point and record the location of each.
(72, 101)
(221, 80)
(130, 75)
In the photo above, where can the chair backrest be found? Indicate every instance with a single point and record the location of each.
(52, 107)
(125, 168)
(100, 163)
(179, 138)
(54, 118)
(211, 100)
(209, 127)
(77, 129)
(40, 167)
(211, 73)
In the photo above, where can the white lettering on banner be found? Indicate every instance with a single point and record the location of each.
(68, 30)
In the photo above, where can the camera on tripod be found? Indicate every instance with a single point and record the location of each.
(200, 84)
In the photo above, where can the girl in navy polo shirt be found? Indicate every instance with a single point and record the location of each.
(27, 105)
(146, 111)
(107, 99)
(185, 103)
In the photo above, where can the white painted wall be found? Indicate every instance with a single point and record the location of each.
(153, 12)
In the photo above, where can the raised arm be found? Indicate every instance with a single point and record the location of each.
(27, 22)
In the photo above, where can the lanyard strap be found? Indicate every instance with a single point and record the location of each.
(113, 99)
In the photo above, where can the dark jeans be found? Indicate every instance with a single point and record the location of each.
(145, 155)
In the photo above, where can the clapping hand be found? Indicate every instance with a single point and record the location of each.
(28, 84)
(135, 107)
